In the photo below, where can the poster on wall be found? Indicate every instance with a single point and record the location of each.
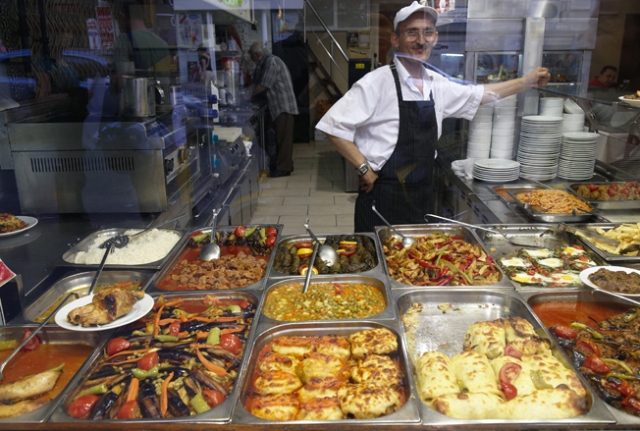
(443, 6)
(189, 29)
(105, 26)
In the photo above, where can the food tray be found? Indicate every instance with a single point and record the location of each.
(474, 306)
(605, 255)
(384, 233)
(76, 282)
(586, 296)
(273, 273)
(606, 205)
(551, 238)
(177, 253)
(220, 414)
(502, 191)
(407, 414)
(549, 218)
(53, 335)
(387, 313)
(110, 233)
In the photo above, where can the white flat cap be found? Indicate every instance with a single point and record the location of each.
(407, 11)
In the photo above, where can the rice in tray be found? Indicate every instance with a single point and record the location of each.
(146, 248)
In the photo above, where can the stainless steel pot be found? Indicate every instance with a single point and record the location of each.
(138, 97)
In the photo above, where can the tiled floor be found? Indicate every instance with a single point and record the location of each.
(315, 189)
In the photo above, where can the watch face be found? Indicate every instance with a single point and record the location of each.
(363, 169)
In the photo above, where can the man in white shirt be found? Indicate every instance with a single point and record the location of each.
(387, 125)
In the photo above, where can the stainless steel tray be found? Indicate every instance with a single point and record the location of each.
(104, 235)
(297, 238)
(587, 296)
(606, 205)
(407, 414)
(473, 306)
(540, 216)
(506, 197)
(384, 233)
(605, 255)
(183, 246)
(77, 283)
(220, 414)
(545, 235)
(52, 335)
(382, 286)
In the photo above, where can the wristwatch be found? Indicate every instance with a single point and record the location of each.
(363, 168)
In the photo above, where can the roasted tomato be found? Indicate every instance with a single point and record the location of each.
(231, 343)
(594, 363)
(213, 398)
(239, 232)
(587, 347)
(509, 372)
(592, 187)
(148, 361)
(631, 402)
(81, 407)
(304, 244)
(622, 386)
(565, 332)
(270, 241)
(512, 351)
(174, 328)
(117, 345)
(509, 391)
(304, 267)
(129, 410)
(271, 231)
(32, 344)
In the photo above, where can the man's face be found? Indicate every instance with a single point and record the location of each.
(255, 57)
(416, 36)
(608, 77)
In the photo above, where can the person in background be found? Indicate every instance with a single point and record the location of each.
(272, 78)
(387, 125)
(606, 78)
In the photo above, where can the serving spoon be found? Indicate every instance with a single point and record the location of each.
(407, 241)
(54, 312)
(211, 251)
(325, 251)
(121, 241)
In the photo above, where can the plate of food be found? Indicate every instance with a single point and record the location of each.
(615, 279)
(110, 308)
(12, 225)
(631, 99)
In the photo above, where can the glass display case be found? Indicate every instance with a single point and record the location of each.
(494, 67)
(566, 68)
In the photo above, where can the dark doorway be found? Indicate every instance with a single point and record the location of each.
(630, 55)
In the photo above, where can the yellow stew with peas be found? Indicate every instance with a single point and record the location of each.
(324, 301)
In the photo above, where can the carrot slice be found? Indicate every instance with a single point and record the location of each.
(164, 397)
(133, 389)
(232, 330)
(227, 318)
(201, 335)
(167, 321)
(156, 325)
(130, 352)
(216, 369)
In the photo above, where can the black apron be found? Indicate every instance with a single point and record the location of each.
(403, 191)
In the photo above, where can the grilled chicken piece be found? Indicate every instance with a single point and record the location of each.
(106, 306)
(21, 408)
(30, 386)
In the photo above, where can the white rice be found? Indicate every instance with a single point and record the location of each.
(146, 248)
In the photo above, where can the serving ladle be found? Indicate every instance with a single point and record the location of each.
(326, 253)
(54, 312)
(121, 241)
(211, 251)
(407, 241)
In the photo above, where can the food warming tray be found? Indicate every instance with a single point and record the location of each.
(219, 414)
(273, 273)
(445, 332)
(384, 233)
(606, 205)
(605, 255)
(53, 335)
(541, 216)
(177, 253)
(407, 414)
(378, 283)
(75, 283)
(586, 296)
(502, 191)
(547, 236)
(106, 234)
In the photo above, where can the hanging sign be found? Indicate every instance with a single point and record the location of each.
(105, 26)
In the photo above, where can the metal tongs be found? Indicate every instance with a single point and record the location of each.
(590, 235)
(121, 241)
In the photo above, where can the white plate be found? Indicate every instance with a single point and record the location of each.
(584, 276)
(632, 102)
(139, 309)
(572, 107)
(30, 221)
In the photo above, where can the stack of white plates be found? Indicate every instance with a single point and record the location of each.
(539, 149)
(503, 132)
(552, 106)
(578, 156)
(479, 144)
(494, 170)
(573, 123)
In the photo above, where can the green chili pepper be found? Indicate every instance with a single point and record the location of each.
(140, 333)
(178, 312)
(623, 376)
(538, 380)
(100, 389)
(621, 364)
(199, 238)
(263, 233)
(249, 231)
(455, 269)
(8, 344)
(631, 314)
(58, 368)
(441, 253)
(167, 338)
(233, 308)
(141, 374)
(199, 404)
(595, 334)
(214, 336)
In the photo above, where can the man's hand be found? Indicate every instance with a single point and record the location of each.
(365, 182)
(539, 77)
